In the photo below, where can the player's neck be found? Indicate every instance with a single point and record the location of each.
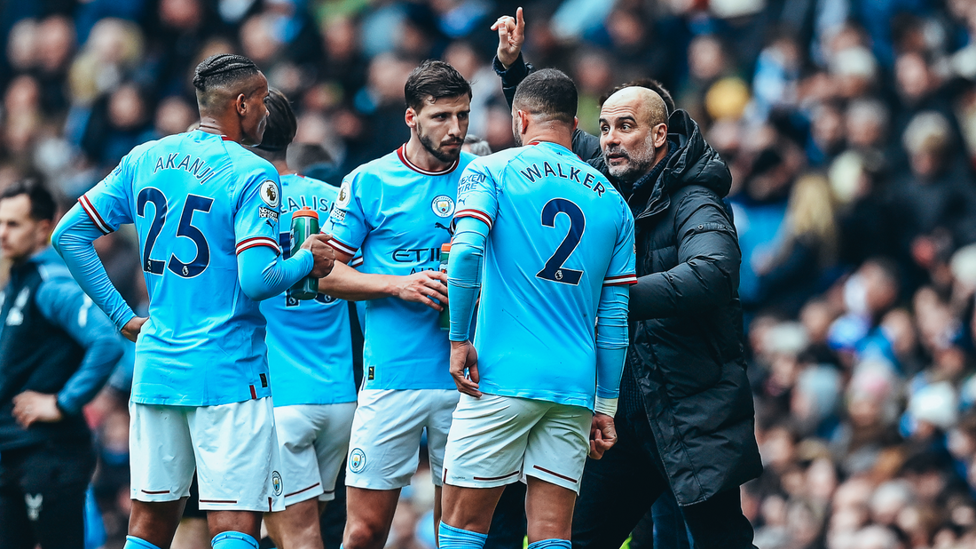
(419, 156)
(282, 166)
(550, 136)
(212, 125)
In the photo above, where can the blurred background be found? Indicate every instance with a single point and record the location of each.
(849, 126)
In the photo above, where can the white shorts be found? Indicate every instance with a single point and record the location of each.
(313, 440)
(497, 440)
(385, 442)
(232, 446)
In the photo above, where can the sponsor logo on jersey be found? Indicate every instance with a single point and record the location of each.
(357, 460)
(442, 206)
(268, 213)
(276, 482)
(270, 193)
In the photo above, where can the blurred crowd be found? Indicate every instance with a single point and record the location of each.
(849, 125)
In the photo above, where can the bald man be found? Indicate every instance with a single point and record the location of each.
(685, 420)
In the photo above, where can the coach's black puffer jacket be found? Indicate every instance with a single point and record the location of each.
(686, 351)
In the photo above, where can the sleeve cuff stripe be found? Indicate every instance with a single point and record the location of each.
(344, 248)
(356, 262)
(479, 215)
(622, 280)
(93, 214)
(258, 241)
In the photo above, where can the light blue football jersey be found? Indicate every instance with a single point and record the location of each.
(309, 341)
(399, 216)
(559, 232)
(196, 200)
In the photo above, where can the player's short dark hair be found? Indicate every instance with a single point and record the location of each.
(434, 79)
(648, 83)
(303, 155)
(222, 69)
(282, 124)
(549, 93)
(42, 201)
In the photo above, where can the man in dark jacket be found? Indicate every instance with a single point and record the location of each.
(56, 351)
(685, 421)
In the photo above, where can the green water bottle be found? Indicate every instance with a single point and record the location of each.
(304, 223)
(445, 319)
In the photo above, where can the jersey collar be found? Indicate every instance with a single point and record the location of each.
(402, 153)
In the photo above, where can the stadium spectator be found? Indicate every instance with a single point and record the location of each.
(56, 352)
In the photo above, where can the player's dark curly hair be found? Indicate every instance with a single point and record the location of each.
(648, 83)
(434, 79)
(43, 205)
(548, 93)
(222, 69)
(282, 125)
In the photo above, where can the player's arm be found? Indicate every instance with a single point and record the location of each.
(707, 273)
(263, 273)
(463, 286)
(347, 283)
(611, 351)
(63, 304)
(73, 238)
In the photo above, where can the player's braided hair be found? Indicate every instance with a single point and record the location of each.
(282, 125)
(548, 93)
(434, 79)
(221, 69)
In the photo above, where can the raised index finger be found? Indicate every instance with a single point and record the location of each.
(519, 20)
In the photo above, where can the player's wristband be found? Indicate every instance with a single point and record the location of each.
(606, 406)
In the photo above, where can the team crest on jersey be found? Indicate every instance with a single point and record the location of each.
(357, 460)
(276, 482)
(270, 194)
(345, 195)
(443, 206)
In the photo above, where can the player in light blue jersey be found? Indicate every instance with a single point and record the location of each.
(553, 244)
(397, 210)
(206, 212)
(310, 357)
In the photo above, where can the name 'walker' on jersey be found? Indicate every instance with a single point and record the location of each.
(559, 232)
(204, 342)
(399, 215)
(309, 341)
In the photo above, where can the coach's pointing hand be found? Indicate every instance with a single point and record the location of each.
(511, 36)
(323, 253)
(603, 435)
(463, 356)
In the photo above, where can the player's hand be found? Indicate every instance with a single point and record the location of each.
(133, 327)
(511, 36)
(463, 356)
(31, 407)
(323, 253)
(424, 287)
(603, 435)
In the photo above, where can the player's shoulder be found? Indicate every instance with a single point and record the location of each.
(377, 167)
(301, 183)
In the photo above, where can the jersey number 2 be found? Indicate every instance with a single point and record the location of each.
(185, 229)
(554, 270)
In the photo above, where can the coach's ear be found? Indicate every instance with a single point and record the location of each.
(575, 123)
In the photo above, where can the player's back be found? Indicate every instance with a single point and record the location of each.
(309, 341)
(204, 341)
(557, 226)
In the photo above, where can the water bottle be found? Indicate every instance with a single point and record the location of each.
(445, 317)
(304, 223)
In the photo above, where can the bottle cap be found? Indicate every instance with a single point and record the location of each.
(305, 212)
(446, 247)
